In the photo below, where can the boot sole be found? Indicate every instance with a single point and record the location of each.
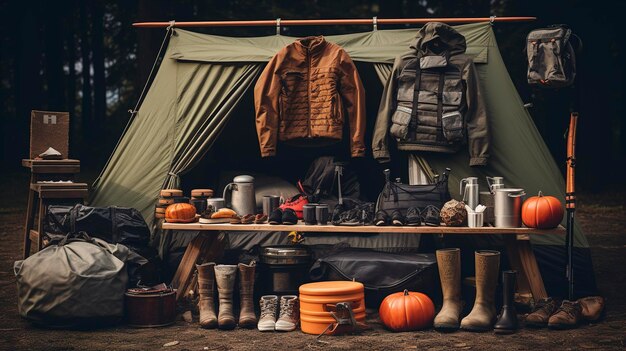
(266, 329)
(476, 329)
(504, 331)
(562, 326)
(446, 328)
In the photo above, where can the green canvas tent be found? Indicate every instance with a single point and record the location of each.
(202, 78)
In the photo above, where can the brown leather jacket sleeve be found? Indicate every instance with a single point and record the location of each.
(380, 142)
(478, 137)
(353, 98)
(266, 105)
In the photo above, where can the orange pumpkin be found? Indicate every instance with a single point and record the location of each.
(406, 311)
(180, 213)
(543, 212)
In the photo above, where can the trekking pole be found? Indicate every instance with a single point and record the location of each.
(570, 202)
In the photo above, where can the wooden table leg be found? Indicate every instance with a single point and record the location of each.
(197, 250)
(522, 259)
(30, 217)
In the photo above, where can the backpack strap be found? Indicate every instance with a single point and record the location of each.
(416, 94)
(440, 106)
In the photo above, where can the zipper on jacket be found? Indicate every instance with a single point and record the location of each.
(308, 132)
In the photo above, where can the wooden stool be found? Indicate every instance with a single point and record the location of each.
(40, 194)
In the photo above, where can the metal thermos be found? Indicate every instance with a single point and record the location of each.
(470, 191)
(495, 183)
(242, 196)
(508, 207)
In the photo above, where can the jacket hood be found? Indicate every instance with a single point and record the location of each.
(435, 38)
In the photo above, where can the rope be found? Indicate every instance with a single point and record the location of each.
(133, 112)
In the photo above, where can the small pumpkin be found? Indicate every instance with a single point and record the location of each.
(543, 212)
(407, 311)
(180, 213)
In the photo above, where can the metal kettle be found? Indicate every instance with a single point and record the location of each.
(470, 192)
(242, 198)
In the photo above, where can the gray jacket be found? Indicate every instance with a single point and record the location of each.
(451, 112)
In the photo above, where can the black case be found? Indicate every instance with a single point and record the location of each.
(399, 196)
(382, 273)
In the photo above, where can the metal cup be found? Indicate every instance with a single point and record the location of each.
(270, 203)
(308, 214)
(475, 219)
(321, 214)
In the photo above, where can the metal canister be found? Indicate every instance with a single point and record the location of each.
(284, 268)
(508, 207)
(470, 191)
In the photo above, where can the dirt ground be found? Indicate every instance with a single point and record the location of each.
(602, 217)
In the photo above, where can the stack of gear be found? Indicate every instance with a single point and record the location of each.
(225, 276)
(199, 197)
(305, 95)
(432, 101)
(166, 199)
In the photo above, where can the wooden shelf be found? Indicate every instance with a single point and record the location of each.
(300, 227)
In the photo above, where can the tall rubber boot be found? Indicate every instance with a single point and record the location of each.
(206, 289)
(449, 264)
(247, 317)
(507, 320)
(225, 276)
(483, 314)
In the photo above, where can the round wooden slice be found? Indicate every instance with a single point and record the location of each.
(160, 210)
(202, 193)
(166, 201)
(159, 215)
(171, 192)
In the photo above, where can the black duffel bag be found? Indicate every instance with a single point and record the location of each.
(382, 273)
(399, 196)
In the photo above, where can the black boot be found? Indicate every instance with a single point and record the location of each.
(507, 320)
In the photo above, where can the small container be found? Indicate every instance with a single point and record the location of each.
(321, 214)
(308, 214)
(284, 268)
(270, 203)
(474, 219)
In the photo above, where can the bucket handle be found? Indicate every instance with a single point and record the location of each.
(520, 194)
(332, 307)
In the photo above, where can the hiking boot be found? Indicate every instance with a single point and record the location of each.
(413, 216)
(449, 264)
(289, 313)
(507, 320)
(382, 218)
(269, 308)
(276, 217)
(289, 216)
(540, 315)
(247, 317)
(567, 316)
(397, 218)
(483, 314)
(430, 216)
(206, 290)
(592, 307)
(296, 203)
(225, 276)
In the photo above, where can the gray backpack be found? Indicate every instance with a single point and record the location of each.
(551, 57)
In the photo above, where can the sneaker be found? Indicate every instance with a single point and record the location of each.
(397, 218)
(540, 315)
(276, 217)
(567, 316)
(289, 216)
(296, 203)
(430, 216)
(382, 218)
(289, 313)
(269, 306)
(413, 216)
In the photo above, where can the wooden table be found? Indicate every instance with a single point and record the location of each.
(517, 241)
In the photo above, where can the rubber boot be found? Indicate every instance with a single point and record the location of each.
(247, 318)
(483, 314)
(225, 276)
(507, 320)
(206, 290)
(449, 264)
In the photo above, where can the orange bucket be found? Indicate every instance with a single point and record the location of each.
(317, 299)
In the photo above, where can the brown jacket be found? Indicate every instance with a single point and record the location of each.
(305, 93)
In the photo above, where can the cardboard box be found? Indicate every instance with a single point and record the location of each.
(49, 129)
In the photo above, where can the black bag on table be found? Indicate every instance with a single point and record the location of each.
(399, 196)
(381, 273)
(551, 56)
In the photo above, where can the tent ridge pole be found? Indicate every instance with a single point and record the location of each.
(332, 22)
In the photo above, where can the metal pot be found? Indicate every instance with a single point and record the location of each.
(215, 203)
(284, 269)
(508, 207)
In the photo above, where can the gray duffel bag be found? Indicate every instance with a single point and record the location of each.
(79, 282)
